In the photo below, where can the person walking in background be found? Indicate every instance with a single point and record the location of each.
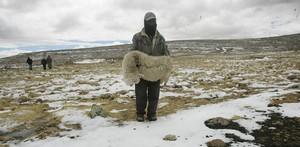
(44, 63)
(29, 61)
(151, 42)
(49, 62)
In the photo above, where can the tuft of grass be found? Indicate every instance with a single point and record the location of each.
(127, 115)
(76, 126)
(286, 98)
(88, 83)
(32, 95)
(83, 92)
(35, 117)
(237, 117)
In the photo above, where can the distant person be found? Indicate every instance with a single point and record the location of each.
(44, 63)
(49, 62)
(6, 66)
(151, 42)
(29, 61)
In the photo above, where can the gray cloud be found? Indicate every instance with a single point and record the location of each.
(68, 22)
(20, 6)
(137, 5)
(48, 21)
(269, 3)
(9, 31)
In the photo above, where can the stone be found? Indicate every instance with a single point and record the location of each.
(97, 111)
(223, 123)
(218, 120)
(170, 137)
(216, 143)
(39, 101)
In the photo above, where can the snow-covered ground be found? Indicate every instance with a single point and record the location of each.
(187, 125)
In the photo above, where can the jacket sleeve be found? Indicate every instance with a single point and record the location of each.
(166, 52)
(134, 43)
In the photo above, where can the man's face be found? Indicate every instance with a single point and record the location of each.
(151, 22)
(150, 27)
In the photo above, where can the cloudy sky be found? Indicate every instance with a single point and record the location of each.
(36, 25)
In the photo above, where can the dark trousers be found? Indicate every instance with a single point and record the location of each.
(44, 66)
(146, 91)
(49, 65)
(30, 66)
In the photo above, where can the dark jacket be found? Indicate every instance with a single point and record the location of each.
(44, 61)
(29, 61)
(157, 47)
(49, 60)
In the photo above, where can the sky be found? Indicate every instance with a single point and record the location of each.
(35, 25)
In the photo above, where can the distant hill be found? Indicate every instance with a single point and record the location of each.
(177, 48)
(236, 46)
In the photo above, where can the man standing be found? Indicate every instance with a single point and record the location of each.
(29, 61)
(44, 63)
(151, 42)
(49, 62)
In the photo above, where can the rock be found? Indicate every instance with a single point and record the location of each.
(170, 137)
(216, 143)
(39, 101)
(222, 123)
(97, 111)
(217, 121)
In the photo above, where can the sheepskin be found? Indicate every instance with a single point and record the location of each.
(137, 65)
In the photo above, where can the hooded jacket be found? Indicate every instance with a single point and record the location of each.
(155, 47)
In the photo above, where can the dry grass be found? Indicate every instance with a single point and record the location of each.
(233, 74)
(25, 113)
(88, 83)
(286, 98)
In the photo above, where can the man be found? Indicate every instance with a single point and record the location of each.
(29, 61)
(49, 62)
(151, 42)
(44, 63)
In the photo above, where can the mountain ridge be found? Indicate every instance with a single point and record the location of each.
(177, 48)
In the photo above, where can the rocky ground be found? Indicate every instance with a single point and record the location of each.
(33, 103)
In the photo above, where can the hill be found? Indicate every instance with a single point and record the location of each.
(177, 48)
